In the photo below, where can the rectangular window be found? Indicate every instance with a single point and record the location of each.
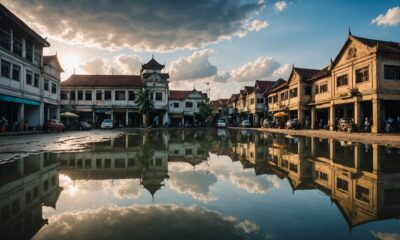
(176, 105)
(189, 104)
(293, 167)
(316, 89)
(270, 100)
(28, 51)
(36, 80)
(46, 85)
(17, 46)
(307, 90)
(64, 95)
(252, 101)
(54, 88)
(5, 37)
(80, 95)
(131, 95)
(275, 98)
(392, 72)
(99, 95)
(16, 72)
(15, 206)
(29, 77)
(323, 88)
(260, 100)
(341, 80)
(37, 55)
(28, 198)
(73, 96)
(323, 176)
(362, 193)
(158, 96)
(88, 95)
(342, 184)
(293, 93)
(120, 95)
(282, 96)
(107, 95)
(362, 75)
(5, 68)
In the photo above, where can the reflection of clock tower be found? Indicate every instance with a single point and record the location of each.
(157, 83)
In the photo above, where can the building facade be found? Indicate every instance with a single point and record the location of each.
(97, 97)
(29, 82)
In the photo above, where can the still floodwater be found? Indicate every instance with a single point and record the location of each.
(205, 184)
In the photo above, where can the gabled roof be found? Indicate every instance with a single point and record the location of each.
(181, 94)
(220, 103)
(264, 85)
(152, 64)
(322, 73)
(383, 47)
(8, 14)
(54, 58)
(304, 73)
(279, 84)
(103, 81)
(248, 89)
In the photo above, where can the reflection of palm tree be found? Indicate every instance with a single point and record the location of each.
(145, 153)
(146, 104)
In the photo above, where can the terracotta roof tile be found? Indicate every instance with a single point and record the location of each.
(181, 94)
(104, 81)
(383, 46)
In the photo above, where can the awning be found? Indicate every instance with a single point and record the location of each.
(84, 110)
(280, 114)
(102, 110)
(69, 115)
(18, 100)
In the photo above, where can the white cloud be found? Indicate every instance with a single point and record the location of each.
(261, 68)
(97, 66)
(280, 6)
(248, 227)
(195, 66)
(257, 25)
(391, 18)
(153, 25)
(129, 64)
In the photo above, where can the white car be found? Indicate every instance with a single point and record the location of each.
(221, 123)
(106, 123)
(245, 123)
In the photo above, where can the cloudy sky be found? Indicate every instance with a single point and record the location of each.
(226, 43)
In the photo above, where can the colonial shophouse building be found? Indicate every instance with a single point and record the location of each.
(29, 83)
(97, 97)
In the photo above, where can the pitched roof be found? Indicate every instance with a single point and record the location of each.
(322, 73)
(248, 89)
(152, 64)
(306, 73)
(7, 13)
(103, 81)
(181, 94)
(48, 59)
(279, 84)
(220, 103)
(383, 46)
(264, 85)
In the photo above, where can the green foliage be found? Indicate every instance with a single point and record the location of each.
(145, 103)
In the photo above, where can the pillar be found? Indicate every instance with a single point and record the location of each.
(256, 120)
(58, 112)
(313, 139)
(357, 114)
(300, 115)
(375, 158)
(165, 118)
(93, 117)
(126, 118)
(48, 113)
(331, 117)
(376, 116)
(331, 149)
(21, 114)
(41, 115)
(313, 115)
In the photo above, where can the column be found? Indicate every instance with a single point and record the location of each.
(331, 117)
(41, 115)
(256, 120)
(165, 118)
(126, 118)
(313, 117)
(21, 114)
(375, 158)
(93, 117)
(58, 112)
(357, 114)
(313, 146)
(300, 115)
(376, 116)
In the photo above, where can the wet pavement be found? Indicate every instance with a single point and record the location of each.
(204, 184)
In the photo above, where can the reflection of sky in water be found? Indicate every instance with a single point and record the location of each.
(218, 196)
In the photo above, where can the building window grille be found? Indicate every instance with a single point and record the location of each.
(341, 80)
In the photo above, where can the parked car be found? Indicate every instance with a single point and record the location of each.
(84, 125)
(54, 125)
(106, 123)
(293, 124)
(346, 125)
(221, 123)
(245, 123)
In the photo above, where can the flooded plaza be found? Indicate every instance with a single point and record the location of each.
(204, 184)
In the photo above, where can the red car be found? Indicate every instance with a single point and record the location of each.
(54, 125)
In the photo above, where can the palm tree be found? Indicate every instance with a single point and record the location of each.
(146, 104)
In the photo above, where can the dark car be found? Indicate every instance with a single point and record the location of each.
(293, 124)
(54, 125)
(82, 125)
(346, 125)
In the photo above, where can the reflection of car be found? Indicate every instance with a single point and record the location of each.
(346, 125)
(54, 125)
(245, 123)
(293, 123)
(84, 125)
(221, 123)
(107, 123)
(266, 123)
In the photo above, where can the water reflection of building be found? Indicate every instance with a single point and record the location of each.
(363, 180)
(26, 185)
